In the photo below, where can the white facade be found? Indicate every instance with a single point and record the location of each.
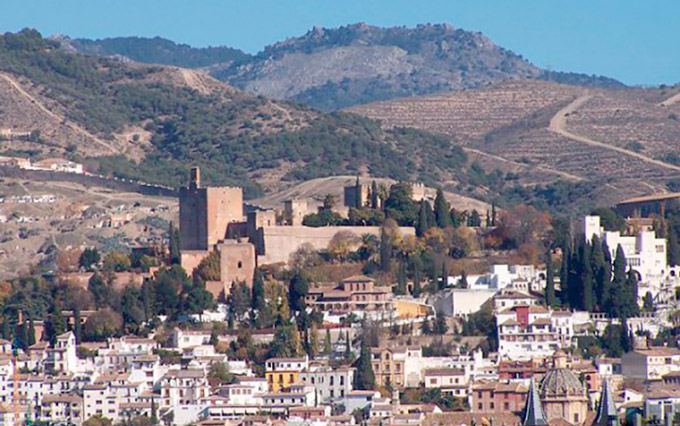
(458, 302)
(330, 383)
(525, 332)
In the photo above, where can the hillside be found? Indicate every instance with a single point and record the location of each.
(331, 69)
(569, 146)
(154, 122)
(155, 50)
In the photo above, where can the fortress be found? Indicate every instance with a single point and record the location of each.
(215, 218)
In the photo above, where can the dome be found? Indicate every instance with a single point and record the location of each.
(561, 382)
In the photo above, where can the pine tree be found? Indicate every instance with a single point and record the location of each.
(365, 378)
(441, 210)
(549, 280)
(327, 345)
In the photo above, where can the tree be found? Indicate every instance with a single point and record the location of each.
(399, 205)
(441, 210)
(424, 222)
(348, 347)
(365, 378)
(102, 324)
(132, 308)
(385, 250)
(167, 287)
(425, 327)
(286, 342)
(55, 324)
(327, 344)
(195, 298)
(259, 300)
(99, 289)
(174, 244)
(617, 296)
(89, 258)
(218, 374)
(328, 202)
(117, 262)
(648, 305)
(626, 339)
(549, 280)
(603, 279)
(239, 300)
(673, 249)
(297, 291)
(493, 214)
(586, 278)
(631, 307)
(313, 344)
(474, 220)
(31, 332)
(374, 196)
(564, 276)
(401, 288)
(440, 327)
(77, 325)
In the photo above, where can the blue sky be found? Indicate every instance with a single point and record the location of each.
(637, 42)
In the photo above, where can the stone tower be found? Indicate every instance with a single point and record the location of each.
(205, 213)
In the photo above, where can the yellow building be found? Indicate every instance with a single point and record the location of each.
(281, 373)
(411, 309)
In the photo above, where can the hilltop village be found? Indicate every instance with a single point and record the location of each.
(384, 307)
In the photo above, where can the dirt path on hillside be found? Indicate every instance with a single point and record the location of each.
(55, 116)
(195, 81)
(670, 101)
(515, 163)
(558, 125)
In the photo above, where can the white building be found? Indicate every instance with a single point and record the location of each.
(460, 302)
(502, 276)
(650, 364)
(525, 332)
(453, 381)
(330, 383)
(645, 254)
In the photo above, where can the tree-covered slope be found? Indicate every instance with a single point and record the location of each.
(157, 50)
(236, 138)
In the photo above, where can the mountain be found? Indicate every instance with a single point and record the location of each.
(330, 69)
(566, 147)
(156, 50)
(153, 122)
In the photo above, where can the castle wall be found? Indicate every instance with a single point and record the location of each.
(223, 206)
(282, 241)
(190, 259)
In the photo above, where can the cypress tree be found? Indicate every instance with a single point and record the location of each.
(313, 344)
(77, 326)
(31, 332)
(618, 286)
(174, 243)
(401, 280)
(488, 219)
(564, 277)
(626, 341)
(385, 251)
(424, 222)
(474, 219)
(586, 278)
(441, 210)
(673, 253)
(455, 222)
(348, 347)
(493, 214)
(365, 378)
(549, 280)
(374, 195)
(631, 307)
(327, 348)
(357, 194)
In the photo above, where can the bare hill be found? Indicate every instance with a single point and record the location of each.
(609, 143)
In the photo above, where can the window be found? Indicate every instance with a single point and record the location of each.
(492, 406)
(506, 406)
(479, 406)
(239, 265)
(342, 380)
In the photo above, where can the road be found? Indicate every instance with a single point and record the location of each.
(670, 101)
(57, 117)
(558, 125)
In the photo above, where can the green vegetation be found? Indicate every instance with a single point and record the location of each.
(158, 50)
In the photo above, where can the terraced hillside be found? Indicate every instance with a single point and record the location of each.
(611, 143)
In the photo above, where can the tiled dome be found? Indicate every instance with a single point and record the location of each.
(561, 382)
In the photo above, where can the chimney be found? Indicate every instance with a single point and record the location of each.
(195, 178)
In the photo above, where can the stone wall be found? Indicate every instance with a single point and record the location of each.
(190, 259)
(205, 213)
(279, 242)
(237, 263)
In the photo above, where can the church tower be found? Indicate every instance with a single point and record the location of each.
(606, 410)
(533, 411)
